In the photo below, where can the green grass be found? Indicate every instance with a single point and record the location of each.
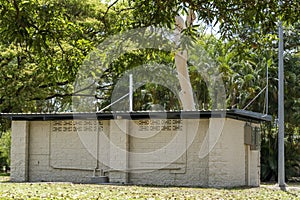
(86, 191)
(4, 177)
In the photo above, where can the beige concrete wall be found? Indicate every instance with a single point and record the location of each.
(227, 158)
(254, 157)
(254, 168)
(222, 165)
(71, 149)
(39, 151)
(118, 151)
(161, 164)
(136, 152)
(19, 151)
(63, 155)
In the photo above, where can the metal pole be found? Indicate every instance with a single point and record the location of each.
(130, 93)
(267, 89)
(281, 172)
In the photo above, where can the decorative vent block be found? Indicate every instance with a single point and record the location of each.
(74, 126)
(160, 125)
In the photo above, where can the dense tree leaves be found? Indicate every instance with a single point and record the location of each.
(252, 15)
(41, 47)
(43, 44)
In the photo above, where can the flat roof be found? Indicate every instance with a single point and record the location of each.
(136, 115)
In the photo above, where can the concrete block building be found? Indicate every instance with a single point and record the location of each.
(178, 148)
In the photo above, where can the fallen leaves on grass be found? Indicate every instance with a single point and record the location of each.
(86, 191)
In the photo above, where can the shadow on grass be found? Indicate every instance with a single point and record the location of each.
(172, 186)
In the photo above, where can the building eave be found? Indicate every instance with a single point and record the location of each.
(137, 115)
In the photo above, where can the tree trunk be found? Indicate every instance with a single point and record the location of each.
(186, 93)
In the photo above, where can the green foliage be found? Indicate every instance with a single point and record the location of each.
(42, 46)
(243, 19)
(269, 153)
(5, 143)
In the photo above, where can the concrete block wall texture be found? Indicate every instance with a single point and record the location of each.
(191, 169)
(68, 149)
(56, 151)
(39, 151)
(118, 151)
(227, 159)
(57, 155)
(19, 151)
(254, 168)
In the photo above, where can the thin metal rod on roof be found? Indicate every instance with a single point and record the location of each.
(130, 93)
(267, 89)
(254, 98)
(113, 102)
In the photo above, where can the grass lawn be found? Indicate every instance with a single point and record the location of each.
(85, 191)
(4, 177)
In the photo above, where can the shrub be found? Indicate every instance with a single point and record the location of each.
(5, 143)
(269, 153)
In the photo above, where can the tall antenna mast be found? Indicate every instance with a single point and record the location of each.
(281, 171)
(267, 86)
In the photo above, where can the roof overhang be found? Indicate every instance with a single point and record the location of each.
(233, 113)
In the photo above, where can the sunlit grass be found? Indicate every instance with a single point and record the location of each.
(4, 177)
(88, 191)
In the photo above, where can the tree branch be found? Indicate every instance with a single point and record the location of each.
(111, 5)
(54, 84)
(65, 95)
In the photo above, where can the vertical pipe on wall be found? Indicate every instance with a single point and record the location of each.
(97, 151)
(127, 167)
(27, 148)
(249, 165)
